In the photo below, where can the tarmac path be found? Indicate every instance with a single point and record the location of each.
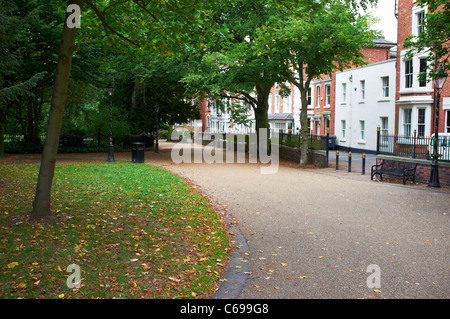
(314, 233)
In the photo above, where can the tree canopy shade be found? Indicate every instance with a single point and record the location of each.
(147, 78)
(223, 46)
(319, 39)
(435, 37)
(150, 25)
(272, 42)
(230, 66)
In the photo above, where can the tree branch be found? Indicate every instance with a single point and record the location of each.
(102, 18)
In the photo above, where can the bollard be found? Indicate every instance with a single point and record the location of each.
(363, 171)
(349, 161)
(337, 160)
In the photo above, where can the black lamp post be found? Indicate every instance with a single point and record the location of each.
(438, 85)
(110, 89)
(218, 120)
(157, 127)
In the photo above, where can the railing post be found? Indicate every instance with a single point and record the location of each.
(378, 139)
(414, 145)
(349, 161)
(337, 160)
(328, 145)
(363, 171)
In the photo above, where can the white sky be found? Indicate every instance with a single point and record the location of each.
(388, 23)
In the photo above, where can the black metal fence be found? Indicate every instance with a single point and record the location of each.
(70, 143)
(316, 142)
(412, 146)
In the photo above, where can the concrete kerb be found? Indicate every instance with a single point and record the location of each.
(238, 269)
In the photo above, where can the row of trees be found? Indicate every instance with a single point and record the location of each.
(171, 52)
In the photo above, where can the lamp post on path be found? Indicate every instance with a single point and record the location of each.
(110, 89)
(438, 85)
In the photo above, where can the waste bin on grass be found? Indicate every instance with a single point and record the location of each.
(137, 152)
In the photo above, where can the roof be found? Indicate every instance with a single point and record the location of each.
(384, 43)
(281, 117)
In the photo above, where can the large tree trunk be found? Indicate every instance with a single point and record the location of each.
(304, 127)
(262, 107)
(41, 204)
(303, 87)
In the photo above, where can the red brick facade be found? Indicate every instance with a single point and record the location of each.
(407, 20)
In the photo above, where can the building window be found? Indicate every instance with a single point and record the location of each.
(270, 102)
(447, 121)
(423, 72)
(287, 104)
(308, 96)
(385, 86)
(384, 126)
(407, 122)
(277, 103)
(343, 125)
(280, 126)
(408, 74)
(328, 94)
(420, 19)
(318, 95)
(344, 92)
(362, 125)
(327, 123)
(421, 122)
(362, 85)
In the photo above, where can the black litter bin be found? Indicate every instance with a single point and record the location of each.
(332, 142)
(137, 152)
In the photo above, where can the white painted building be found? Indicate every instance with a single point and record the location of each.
(365, 99)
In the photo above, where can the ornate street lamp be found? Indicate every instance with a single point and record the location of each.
(438, 85)
(157, 127)
(110, 88)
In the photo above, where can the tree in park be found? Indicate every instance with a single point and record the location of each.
(146, 78)
(149, 25)
(18, 81)
(31, 34)
(261, 42)
(230, 67)
(311, 39)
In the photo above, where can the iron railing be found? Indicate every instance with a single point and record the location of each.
(412, 146)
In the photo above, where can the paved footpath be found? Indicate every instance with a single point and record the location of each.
(312, 233)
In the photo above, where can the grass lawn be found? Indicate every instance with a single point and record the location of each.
(134, 230)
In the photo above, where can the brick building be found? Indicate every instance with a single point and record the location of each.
(414, 108)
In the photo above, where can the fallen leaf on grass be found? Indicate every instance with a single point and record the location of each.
(13, 264)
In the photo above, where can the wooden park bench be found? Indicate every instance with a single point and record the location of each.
(406, 171)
